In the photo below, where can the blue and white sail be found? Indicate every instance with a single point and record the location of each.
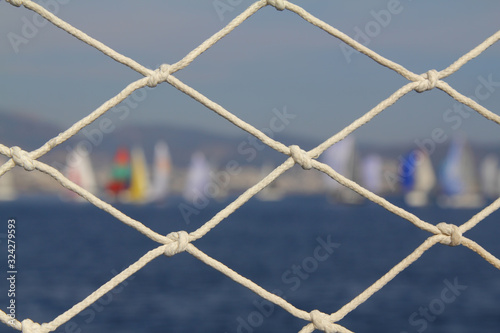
(418, 178)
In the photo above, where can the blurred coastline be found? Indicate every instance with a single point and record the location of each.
(234, 163)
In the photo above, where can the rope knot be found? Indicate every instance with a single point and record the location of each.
(322, 321)
(428, 82)
(29, 326)
(17, 3)
(452, 231)
(278, 4)
(300, 157)
(180, 241)
(159, 75)
(22, 158)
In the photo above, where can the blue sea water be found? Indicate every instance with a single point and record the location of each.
(315, 254)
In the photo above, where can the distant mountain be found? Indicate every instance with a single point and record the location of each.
(183, 142)
(26, 131)
(30, 132)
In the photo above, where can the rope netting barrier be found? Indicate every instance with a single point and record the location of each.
(183, 241)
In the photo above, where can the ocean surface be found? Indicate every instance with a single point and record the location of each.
(315, 254)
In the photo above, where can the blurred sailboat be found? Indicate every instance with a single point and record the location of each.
(120, 174)
(162, 168)
(8, 191)
(458, 178)
(418, 178)
(139, 178)
(342, 158)
(80, 171)
(198, 178)
(490, 177)
(372, 173)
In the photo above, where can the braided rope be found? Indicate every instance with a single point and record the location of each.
(181, 241)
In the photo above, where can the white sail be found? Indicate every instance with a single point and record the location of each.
(342, 158)
(80, 171)
(198, 177)
(162, 168)
(458, 178)
(8, 190)
(372, 173)
(490, 176)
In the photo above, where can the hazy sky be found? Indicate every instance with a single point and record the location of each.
(275, 60)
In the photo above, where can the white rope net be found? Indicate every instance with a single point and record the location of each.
(176, 242)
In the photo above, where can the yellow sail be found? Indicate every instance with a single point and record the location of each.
(139, 182)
